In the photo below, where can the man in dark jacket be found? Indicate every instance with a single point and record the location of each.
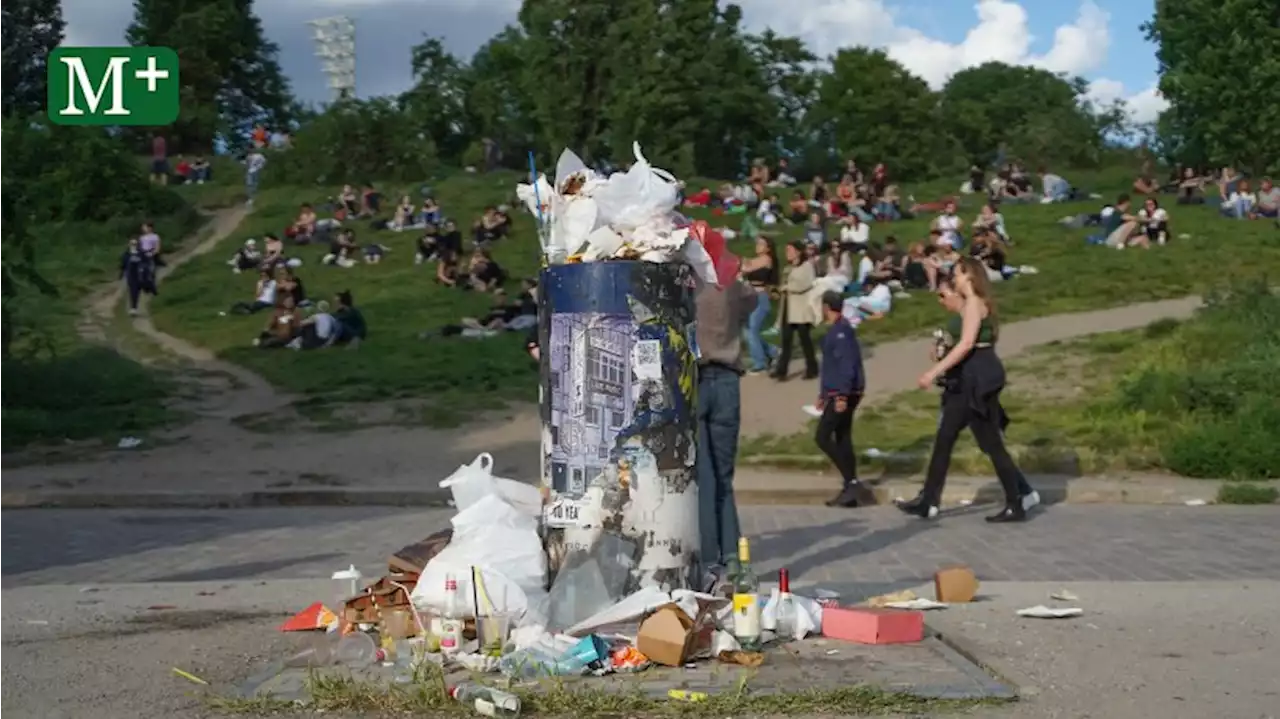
(842, 384)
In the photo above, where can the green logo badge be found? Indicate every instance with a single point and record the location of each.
(113, 86)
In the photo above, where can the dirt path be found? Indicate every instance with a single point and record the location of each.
(769, 407)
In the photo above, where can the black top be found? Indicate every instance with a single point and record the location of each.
(762, 276)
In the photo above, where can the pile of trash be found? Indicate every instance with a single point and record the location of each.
(631, 215)
(484, 598)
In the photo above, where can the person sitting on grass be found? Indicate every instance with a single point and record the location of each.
(319, 329)
(246, 258)
(767, 211)
(288, 283)
(1145, 185)
(990, 252)
(264, 296)
(1239, 204)
(989, 220)
(873, 303)
(374, 252)
(518, 316)
(1190, 188)
(484, 273)
(1268, 200)
(447, 269)
(948, 225)
(891, 261)
(818, 194)
(272, 251)
(430, 212)
(1120, 228)
(1155, 221)
(341, 250)
(351, 326)
(1228, 182)
(350, 200)
(428, 245)
(853, 231)
(815, 231)
(201, 172)
(944, 257)
(281, 328)
(370, 201)
(782, 176)
(798, 208)
(405, 216)
(304, 226)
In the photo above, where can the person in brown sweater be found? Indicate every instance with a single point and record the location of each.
(722, 314)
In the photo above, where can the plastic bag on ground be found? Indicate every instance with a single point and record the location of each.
(504, 546)
(475, 481)
(808, 614)
(589, 582)
(630, 199)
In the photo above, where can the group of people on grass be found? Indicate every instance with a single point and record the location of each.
(1237, 197)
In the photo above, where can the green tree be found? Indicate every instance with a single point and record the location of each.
(231, 79)
(31, 29)
(869, 106)
(1219, 65)
(1024, 108)
(567, 71)
(439, 96)
(791, 81)
(499, 105)
(359, 141)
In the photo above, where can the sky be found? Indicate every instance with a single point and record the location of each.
(1100, 40)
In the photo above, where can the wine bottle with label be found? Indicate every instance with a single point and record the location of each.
(746, 601)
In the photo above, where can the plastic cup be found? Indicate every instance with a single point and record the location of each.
(492, 631)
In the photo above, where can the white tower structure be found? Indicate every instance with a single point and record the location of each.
(336, 47)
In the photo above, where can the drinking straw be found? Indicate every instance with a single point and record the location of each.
(475, 597)
(533, 180)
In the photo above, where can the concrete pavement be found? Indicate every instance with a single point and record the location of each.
(1178, 599)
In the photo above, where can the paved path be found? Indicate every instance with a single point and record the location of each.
(868, 548)
(774, 408)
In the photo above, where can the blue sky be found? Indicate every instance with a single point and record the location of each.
(1097, 39)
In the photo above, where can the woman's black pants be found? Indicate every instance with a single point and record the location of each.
(958, 413)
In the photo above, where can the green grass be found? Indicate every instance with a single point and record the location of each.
(427, 696)
(454, 376)
(57, 386)
(1193, 398)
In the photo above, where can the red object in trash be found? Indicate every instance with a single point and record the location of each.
(726, 263)
(314, 617)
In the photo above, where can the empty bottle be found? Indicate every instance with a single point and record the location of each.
(487, 701)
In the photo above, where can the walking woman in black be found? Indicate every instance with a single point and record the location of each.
(138, 273)
(972, 377)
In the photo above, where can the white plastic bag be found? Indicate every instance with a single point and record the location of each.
(631, 199)
(503, 544)
(475, 481)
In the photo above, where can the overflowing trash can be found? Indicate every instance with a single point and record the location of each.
(618, 395)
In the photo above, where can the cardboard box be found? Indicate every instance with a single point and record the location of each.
(382, 595)
(866, 625)
(665, 636)
(413, 558)
(955, 584)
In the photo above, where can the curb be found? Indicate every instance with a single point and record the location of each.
(815, 490)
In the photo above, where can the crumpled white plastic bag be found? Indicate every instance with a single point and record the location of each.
(502, 543)
(808, 614)
(630, 199)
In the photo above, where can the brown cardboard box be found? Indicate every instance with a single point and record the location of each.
(665, 636)
(413, 558)
(955, 584)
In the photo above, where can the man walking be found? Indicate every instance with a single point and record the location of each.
(722, 313)
(842, 384)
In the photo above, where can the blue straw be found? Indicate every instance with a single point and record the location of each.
(533, 180)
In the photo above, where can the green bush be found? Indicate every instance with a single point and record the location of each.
(1213, 382)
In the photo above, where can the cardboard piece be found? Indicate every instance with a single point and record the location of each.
(955, 584)
(866, 625)
(413, 558)
(670, 637)
(368, 606)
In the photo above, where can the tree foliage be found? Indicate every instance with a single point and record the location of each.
(231, 79)
(1219, 64)
(31, 30)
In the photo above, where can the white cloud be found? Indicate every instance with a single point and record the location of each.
(1143, 106)
(1002, 34)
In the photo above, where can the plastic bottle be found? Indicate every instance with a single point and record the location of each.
(487, 701)
(451, 623)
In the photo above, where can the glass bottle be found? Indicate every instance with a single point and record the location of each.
(746, 601)
(786, 610)
(451, 622)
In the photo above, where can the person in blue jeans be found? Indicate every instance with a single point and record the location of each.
(761, 273)
(721, 314)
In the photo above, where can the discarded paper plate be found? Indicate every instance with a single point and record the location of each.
(919, 604)
(1040, 611)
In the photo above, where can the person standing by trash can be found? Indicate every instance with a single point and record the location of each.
(722, 314)
(797, 312)
(842, 385)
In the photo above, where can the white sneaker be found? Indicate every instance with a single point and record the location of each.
(1030, 500)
